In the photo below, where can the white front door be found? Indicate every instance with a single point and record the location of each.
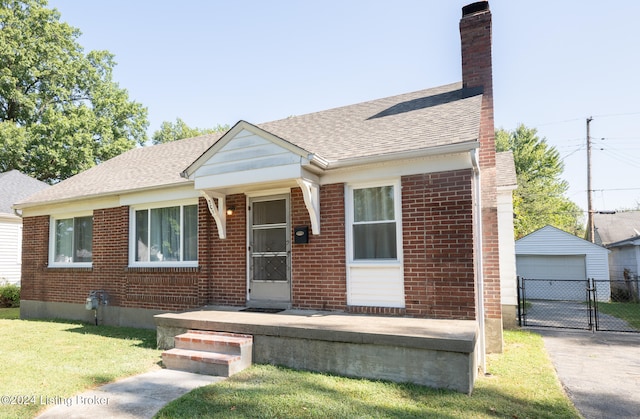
(269, 252)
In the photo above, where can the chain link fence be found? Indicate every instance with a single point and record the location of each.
(579, 304)
(622, 312)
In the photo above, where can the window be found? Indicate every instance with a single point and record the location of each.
(374, 234)
(167, 235)
(72, 241)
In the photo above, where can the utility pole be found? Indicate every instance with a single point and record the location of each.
(590, 226)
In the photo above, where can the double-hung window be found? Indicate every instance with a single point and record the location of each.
(374, 244)
(374, 223)
(164, 236)
(71, 242)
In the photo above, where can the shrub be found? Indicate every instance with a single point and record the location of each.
(9, 295)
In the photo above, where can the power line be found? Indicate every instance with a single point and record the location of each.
(559, 122)
(616, 189)
(620, 138)
(612, 115)
(580, 148)
(621, 156)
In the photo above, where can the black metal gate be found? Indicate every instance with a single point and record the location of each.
(574, 304)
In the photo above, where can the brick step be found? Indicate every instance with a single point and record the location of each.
(209, 363)
(213, 353)
(221, 342)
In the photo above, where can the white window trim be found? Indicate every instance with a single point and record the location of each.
(397, 203)
(52, 241)
(132, 234)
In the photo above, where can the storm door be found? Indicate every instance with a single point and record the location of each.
(269, 251)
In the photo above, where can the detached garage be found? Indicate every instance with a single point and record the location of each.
(557, 265)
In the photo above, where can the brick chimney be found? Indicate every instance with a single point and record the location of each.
(475, 37)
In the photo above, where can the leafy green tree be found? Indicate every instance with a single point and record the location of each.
(176, 131)
(539, 199)
(60, 110)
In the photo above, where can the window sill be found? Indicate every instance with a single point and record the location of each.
(382, 263)
(163, 268)
(71, 268)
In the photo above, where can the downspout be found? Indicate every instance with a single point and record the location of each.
(477, 192)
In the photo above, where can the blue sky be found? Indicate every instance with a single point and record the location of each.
(215, 62)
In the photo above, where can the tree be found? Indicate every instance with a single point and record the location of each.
(60, 110)
(539, 198)
(176, 131)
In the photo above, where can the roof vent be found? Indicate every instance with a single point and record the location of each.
(479, 6)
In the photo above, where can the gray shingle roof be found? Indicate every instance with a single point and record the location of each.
(613, 228)
(138, 169)
(428, 118)
(412, 121)
(16, 186)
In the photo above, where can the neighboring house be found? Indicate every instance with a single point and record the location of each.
(383, 207)
(560, 263)
(506, 183)
(620, 233)
(14, 187)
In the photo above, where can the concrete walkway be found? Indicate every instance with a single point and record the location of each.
(599, 371)
(140, 396)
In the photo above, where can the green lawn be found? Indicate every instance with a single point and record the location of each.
(522, 384)
(10, 313)
(629, 312)
(59, 359)
(43, 359)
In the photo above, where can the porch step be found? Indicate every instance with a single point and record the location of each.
(224, 343)
(211, 353)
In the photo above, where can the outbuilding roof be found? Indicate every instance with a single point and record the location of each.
(419, 120)
(617, 227)
(16, 186)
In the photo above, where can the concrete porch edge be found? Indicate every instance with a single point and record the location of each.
(435, 353)
(435, 334)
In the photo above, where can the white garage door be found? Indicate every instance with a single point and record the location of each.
(561, 277)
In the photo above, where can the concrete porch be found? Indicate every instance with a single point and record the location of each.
(435, 353)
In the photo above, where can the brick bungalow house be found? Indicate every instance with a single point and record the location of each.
(383, 207)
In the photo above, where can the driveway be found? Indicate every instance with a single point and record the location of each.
(599, 371)
(571, 315)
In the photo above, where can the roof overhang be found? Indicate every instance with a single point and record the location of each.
(189, 172)
(248, 158)
(460, 147)
(8, 217)
(631, 241)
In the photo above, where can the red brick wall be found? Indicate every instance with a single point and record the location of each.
(438, 257)
(438, 249)
(226, 272)
(318, 267)
(475, 37)
(438, 245)
(154, 288)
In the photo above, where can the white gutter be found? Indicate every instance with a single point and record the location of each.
(477, 191)
(381, 158)
(109, 194)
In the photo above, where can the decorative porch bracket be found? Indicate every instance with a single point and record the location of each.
(219, 212)
(311, 195)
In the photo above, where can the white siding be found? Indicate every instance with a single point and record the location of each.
(508, 282)
(620, 258)
(554, 242)
(247, 157)
(10, 251)
(376, 286)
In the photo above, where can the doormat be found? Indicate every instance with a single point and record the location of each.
(263, 310)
